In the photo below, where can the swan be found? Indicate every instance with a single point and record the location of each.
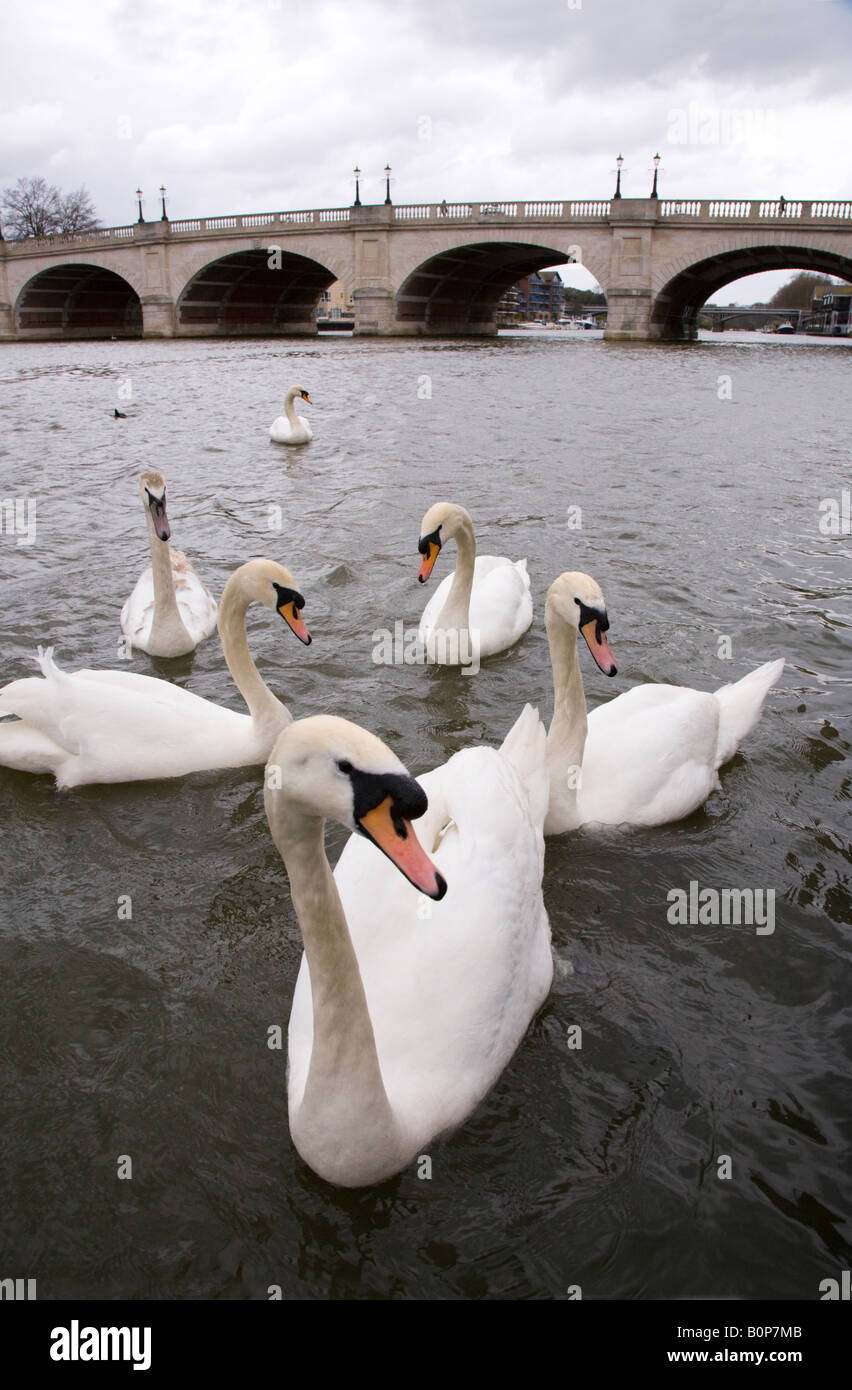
(481, 609)
(291, 428)
(650, 755)
(170, 611)
(406, 1011)
(114, 726)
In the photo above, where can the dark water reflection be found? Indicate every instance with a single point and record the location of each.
(147, 1037)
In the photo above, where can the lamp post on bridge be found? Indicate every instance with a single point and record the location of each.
(387, 180)
(357, 172)
(654, 193)
(618, 163)
(140, 218)
(163, 201)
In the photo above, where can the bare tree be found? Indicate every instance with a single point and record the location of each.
(36, 208)
(77, 213)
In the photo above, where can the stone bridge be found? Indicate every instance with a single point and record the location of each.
(436, 269)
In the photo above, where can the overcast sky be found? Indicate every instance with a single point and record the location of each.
(260, 105)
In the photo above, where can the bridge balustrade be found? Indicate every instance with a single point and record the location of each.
(734, 210)
(838, 210)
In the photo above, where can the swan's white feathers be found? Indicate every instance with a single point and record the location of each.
(651, 755)
(741, 706)
(491, 607)
(291, 428)
(116, 726)
(173, 622)
(197, 606)
(501, 607)
(112, 726)
(451, 986)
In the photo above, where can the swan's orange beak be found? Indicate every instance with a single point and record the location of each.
(306, 397)
(395, 837)
(290, 613)
(428, 562)
(599, 647)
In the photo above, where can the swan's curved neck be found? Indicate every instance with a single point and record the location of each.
(289, 406)
(566, 739)
(344, 1085)
(456, 611)
(167, 624)
(265, 708)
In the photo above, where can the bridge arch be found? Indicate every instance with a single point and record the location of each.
(264, 291)
(457, 290)
(681, 295)
(78, 300)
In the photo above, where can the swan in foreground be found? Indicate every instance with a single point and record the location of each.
(406, 1011)
(652, 754)
(481, 609)
(169, 611)
(114, 726)
(291, 428)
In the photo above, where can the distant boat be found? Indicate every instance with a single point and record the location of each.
(785, 328)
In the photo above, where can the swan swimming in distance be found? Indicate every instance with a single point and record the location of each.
(170, 611)
(647, 757)
(291, 428)
(115, 726)
(406, 1011)
(480, 609)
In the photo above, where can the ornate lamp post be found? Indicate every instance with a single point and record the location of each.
(163, 201)
(357, 172)
(387, 181)
(618, 163)
(139, 202)
(654, 193)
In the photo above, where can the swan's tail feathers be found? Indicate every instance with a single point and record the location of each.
(525, 747)
(742, 704)
(16, 697)
(521, 567)
(49, 668)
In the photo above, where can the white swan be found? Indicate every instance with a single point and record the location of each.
(114, 726)
(291, 428)
(481, 609)
(652, 754)
(170, 611)
(406, 1012)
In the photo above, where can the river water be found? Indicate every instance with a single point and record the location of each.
(698, 472)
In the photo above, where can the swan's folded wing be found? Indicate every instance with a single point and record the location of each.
(501, 606)
(197, 606)
(138, 611)
(649, 756)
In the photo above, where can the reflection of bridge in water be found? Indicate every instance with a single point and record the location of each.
(415, 269)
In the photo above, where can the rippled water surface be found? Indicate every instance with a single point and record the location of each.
(595, 1167)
